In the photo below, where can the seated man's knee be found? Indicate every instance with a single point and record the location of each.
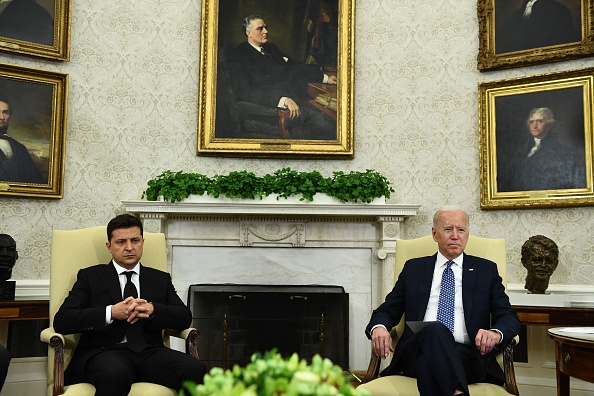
(438, 330)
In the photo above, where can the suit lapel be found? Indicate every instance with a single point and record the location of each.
(469, 274)
(111, 282)
(425, 280)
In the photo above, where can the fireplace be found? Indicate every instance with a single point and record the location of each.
(351, 246)
(236, 321)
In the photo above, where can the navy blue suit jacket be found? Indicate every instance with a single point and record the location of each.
(96, 287)
(486, 306)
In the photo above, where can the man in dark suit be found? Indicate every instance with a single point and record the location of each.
(121, 340)
(536, 24)
(16, 164)
(261, 73)
(446, 355)
(541, 161)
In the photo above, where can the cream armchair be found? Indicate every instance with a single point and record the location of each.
(398, 385)
(71, 251)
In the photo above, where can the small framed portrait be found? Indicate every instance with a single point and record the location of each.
(32, 132)
(36, 27)
(536, 141)
(276, 79)
(514, 33)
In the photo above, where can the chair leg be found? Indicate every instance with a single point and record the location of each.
(56, 343)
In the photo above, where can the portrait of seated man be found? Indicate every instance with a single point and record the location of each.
(262, 73)
(536, 24)
(16, 163)
(540, 256)
(541, 161)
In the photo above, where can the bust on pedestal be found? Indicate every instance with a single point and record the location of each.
(8, 258)
(540, 256)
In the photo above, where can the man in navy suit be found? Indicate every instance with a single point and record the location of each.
(121, 341)
(445, 361)
(261, 73)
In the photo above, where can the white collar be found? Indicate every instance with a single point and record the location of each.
(528, 9)
(121, 269)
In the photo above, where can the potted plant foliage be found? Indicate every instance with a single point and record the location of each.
(354, 186)
(272, 375)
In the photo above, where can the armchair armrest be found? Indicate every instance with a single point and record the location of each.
(191, 336)
(56, 341)
(508, 367)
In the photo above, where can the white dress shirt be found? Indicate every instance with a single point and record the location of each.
(123, 279)
(460, 332)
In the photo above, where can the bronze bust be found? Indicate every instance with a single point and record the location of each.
(540, 256)
(8, 256)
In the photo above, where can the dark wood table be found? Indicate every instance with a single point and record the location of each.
(24, 310)
(555, 316)
(574, 357)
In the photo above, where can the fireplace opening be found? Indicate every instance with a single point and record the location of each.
(236, 321)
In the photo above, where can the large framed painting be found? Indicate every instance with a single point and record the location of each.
(36, 27)
(514, 33)
(32, 132)
(277, 78)
(536, 141)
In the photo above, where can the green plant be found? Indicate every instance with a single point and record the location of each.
(347, 187)
(272, 375)
(174, 187)
(362, 186)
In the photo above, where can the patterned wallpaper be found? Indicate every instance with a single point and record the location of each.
(132, 114)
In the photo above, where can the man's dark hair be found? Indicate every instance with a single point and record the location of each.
(3, 99)
(123, 221)
(248, 20)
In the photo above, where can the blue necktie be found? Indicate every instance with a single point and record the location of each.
(445, 307)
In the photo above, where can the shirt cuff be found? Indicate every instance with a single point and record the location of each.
(374, 327)
(108, 318)
(500, 334)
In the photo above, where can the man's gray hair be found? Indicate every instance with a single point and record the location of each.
(448, 208)
(247, 21)
(545, 112)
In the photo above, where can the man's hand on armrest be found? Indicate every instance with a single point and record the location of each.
(382, 342)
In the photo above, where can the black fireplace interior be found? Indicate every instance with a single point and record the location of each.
(236, 321)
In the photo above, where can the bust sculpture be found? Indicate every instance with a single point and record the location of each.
(540, 256)
(8, 256)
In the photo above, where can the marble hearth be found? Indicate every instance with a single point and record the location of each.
(346, 245)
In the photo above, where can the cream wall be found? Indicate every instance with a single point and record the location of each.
(132, 114)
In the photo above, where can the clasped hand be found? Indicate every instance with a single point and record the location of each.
(132, 309)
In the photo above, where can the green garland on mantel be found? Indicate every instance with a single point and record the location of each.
(354, 186)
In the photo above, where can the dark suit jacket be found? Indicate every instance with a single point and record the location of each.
(20, 168)
(96, 287)
(266, 79)
(486, 305)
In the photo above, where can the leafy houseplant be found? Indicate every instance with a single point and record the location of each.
(272, 375)
(346, 187)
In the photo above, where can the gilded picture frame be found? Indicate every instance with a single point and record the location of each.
(314, 34)
(36, 27)
(536, 141)
(515, 33)
(33, 111)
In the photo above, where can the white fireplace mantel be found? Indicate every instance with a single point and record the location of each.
(351, 245)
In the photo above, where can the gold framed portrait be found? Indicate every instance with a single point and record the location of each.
(277, 79)
(32, 132)
(536, 141)
(515, 33)
(36, 27)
